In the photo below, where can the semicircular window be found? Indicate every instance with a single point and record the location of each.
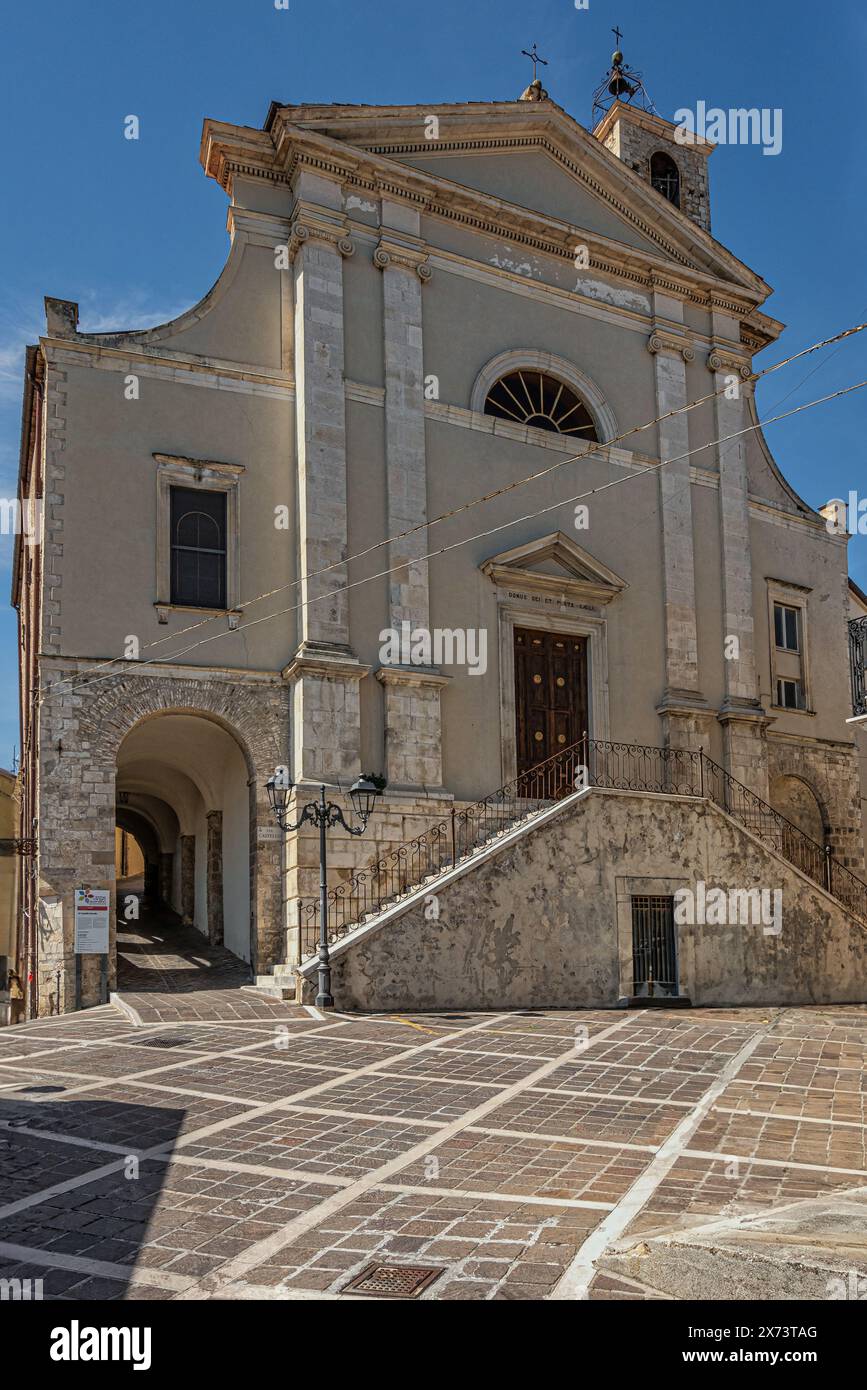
(531, 397)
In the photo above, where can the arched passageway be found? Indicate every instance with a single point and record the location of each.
(182, 790)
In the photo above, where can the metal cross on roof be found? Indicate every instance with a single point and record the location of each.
(534, 56)
(618, 36)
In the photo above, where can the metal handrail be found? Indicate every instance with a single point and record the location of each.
(587, 763)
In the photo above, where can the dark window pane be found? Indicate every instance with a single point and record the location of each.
(198, 530)
(533, 398)
(665, 177)
(791, 629)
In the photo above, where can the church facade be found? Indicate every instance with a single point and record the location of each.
(455, 469)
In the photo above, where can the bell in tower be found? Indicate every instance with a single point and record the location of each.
(628, 124)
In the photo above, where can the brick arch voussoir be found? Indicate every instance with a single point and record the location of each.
(112, 713)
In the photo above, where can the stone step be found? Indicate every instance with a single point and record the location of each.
(274, 989)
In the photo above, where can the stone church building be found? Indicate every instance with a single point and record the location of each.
(258, 551)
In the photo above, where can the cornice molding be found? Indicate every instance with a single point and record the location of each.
(368, 169)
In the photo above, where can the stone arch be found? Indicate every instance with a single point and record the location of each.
(797, 800)
(560, 367)
(114, 709)
(85, 721)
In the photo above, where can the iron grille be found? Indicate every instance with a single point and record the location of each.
(654, 948)
(393, 1281)
(858, 664)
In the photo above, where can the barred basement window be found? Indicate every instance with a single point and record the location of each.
(198, 531)
(532, 397)
(654, 946)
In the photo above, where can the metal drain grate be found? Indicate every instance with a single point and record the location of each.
(393, 1281)
(164, 1042)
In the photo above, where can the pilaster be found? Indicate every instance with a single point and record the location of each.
(413, 723)
(682, 704)
(743, 719)
(413, 728)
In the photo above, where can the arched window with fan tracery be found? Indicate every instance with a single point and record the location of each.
(532, 397)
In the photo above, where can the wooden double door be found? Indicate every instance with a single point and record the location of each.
(550, 694)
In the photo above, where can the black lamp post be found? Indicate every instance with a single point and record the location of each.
(323, 814)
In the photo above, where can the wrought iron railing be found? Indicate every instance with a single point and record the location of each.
(588, 763)
(858, 664)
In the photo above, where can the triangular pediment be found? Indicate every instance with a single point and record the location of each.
(530, 156)
(555, 564)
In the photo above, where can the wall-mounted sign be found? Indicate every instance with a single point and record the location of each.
(92, 920)
(269, 832)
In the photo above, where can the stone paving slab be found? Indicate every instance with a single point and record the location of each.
(634, 1081)
(319, 1144)
(842, 1106)
(615, 1119)
(488, 1249)
(137, 1117)
(243, 1077)
(702, 1188)
(407, 1098)
(496, 1067)
(279, 1151)
(529, 1167)
(760, 1136)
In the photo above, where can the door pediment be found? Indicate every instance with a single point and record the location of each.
(555, 564)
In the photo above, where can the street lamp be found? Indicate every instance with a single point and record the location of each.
(323, 814)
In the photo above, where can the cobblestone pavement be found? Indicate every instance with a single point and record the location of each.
(215, 1144)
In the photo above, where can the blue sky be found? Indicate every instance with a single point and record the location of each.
(136, 233)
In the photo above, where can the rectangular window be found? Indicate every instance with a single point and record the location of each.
(790, 695)
(786, 626)
(198, 547)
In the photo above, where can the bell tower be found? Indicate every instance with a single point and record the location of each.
(626, 122)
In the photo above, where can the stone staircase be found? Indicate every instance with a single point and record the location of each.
(467, 834)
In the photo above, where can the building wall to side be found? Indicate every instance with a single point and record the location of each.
(546, 923)
(80, 736)
(9, 871)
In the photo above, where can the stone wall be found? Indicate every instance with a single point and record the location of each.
(82, 726)
(545, 920)
(832, 772)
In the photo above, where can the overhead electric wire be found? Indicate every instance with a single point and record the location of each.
(88, 678)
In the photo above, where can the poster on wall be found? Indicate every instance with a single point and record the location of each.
(92, 918)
